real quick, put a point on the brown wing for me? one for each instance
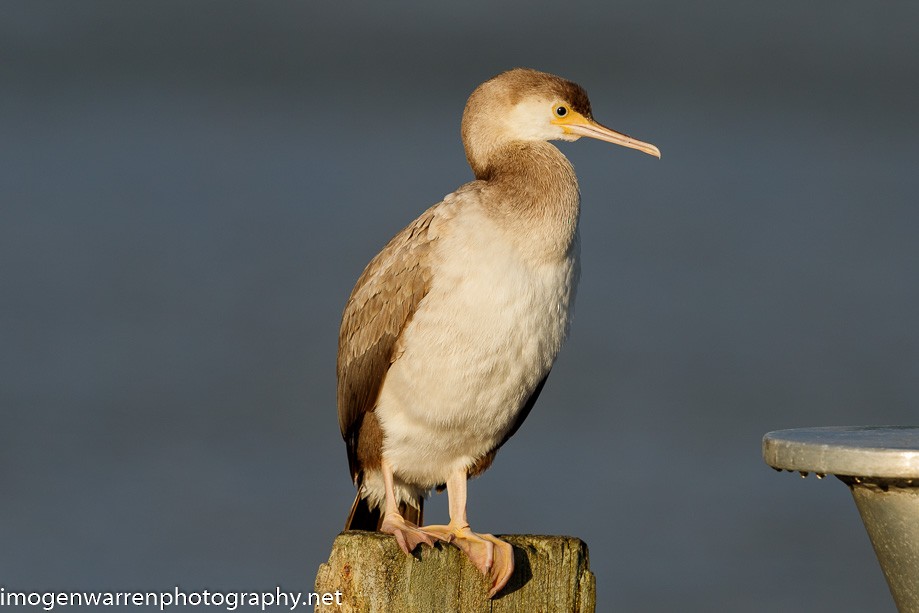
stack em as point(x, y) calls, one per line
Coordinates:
point(381, 304)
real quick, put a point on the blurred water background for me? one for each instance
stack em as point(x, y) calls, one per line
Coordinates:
point(188, 192)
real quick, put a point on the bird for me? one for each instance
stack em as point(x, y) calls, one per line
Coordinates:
point(450, 332)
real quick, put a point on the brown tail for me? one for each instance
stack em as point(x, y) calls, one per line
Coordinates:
point(362, 517)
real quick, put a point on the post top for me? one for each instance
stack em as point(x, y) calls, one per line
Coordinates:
point(887, 452)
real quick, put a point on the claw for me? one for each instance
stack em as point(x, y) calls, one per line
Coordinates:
point(407, 534)
point(500, 572)
point(493, 557)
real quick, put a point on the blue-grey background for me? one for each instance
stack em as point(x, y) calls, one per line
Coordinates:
point(189, 191)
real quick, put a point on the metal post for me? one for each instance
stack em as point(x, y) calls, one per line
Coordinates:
point(881, 467)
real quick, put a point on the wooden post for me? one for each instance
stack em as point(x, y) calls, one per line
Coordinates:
point(372, 575)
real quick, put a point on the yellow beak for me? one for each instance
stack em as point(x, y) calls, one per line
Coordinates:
point(575, 123)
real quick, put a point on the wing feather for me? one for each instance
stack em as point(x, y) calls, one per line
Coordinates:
point(381, 304)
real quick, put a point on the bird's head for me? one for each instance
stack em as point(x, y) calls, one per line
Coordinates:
point(528, 105)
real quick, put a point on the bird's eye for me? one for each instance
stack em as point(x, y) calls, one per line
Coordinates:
point(561, 111)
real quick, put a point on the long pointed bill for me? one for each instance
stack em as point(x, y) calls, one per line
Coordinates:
point(582, 126)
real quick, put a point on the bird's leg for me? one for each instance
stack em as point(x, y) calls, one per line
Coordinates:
point(492, 556)
point(407, 534)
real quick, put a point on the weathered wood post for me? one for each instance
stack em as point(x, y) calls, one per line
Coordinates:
point(551, 575)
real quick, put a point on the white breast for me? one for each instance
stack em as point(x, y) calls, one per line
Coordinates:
point(479, 343)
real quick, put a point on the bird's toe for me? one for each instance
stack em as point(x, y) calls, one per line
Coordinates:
point(407, 534)
point(493, 557)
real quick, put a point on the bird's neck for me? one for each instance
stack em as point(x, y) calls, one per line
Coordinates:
point(534, 194)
